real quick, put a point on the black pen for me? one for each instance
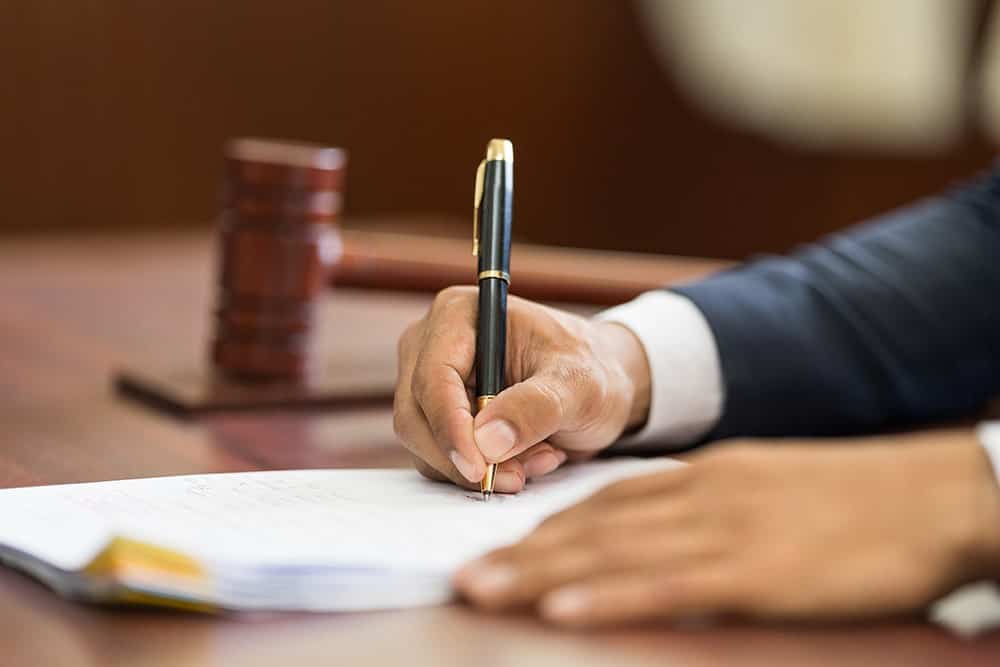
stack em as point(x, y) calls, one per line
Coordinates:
point(492, 217)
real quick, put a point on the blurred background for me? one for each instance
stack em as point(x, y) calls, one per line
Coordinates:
point(717, 128)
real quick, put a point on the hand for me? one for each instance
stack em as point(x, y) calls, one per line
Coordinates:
point(803, 530)
point(574, 386)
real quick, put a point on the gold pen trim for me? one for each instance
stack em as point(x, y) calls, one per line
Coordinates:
point(481, 401)
point(500, 149)
point(489, 479)
point(477, 202)
point(493, 273)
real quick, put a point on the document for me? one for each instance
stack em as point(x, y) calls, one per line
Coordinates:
point(324, 540)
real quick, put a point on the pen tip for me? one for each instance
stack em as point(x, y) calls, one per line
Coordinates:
point(487, 495)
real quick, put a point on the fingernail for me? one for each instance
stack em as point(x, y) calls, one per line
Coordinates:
point(540, 464)
point(508, 481)
point(495, 439)
point(566, 602)
point(491, 579)
point(465, 466)
point(562, 456)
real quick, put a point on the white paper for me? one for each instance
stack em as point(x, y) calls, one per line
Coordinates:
point(267, 532)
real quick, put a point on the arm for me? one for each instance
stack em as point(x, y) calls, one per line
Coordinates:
point(894, 322)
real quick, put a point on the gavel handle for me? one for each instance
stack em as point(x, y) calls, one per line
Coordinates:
point(410, 262)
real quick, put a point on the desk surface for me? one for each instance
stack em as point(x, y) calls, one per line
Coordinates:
point(72, 310)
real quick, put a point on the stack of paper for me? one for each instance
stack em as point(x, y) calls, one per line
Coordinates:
point(309, 539)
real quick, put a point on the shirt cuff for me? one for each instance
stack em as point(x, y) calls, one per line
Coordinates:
point(686, 390)
point(989, 437)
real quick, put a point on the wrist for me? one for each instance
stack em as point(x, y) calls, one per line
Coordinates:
point(987, 544)
point(978, 543)
point(631, 357)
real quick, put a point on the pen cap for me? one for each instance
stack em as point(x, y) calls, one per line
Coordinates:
point(496, 210)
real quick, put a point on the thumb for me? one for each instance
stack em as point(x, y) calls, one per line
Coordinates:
point(523, 415)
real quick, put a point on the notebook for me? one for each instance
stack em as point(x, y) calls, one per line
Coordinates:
point(320, 540)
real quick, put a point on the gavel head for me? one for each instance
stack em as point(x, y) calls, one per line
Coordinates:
point(278, 244)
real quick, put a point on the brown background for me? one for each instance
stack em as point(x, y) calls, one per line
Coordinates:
point(114, 113)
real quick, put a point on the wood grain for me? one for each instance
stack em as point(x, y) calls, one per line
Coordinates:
point(71, 310)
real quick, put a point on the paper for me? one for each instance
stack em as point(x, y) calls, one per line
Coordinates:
point(368, 534)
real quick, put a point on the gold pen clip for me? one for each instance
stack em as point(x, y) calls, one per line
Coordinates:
point(475, 207)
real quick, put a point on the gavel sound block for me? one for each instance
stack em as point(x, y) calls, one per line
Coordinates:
point(400, 262)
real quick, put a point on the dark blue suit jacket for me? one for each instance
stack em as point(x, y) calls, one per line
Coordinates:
point(893, 322)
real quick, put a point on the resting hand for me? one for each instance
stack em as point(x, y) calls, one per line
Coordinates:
point(574, 386)
point(802, 530)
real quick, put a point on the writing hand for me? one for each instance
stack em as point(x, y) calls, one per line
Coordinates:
point(574, 386)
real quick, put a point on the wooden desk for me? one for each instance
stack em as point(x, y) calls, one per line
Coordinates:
point(72, 310)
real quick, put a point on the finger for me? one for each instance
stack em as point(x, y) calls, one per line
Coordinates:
point(523, 573)
point(438, 384)
point(641, 486)
point(502, 581)
point(409, 421)
point(541, 459)
point(657, 514)
point(662, 497)
point(407, 348)
point(575, 456)
point(668, 488)
point(510, 477)
point(656, 593)
point(440, 392)
point(415, 435)
point(521, 416)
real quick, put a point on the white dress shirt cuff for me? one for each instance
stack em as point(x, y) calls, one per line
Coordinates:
point(989, 437)
point(686, 391)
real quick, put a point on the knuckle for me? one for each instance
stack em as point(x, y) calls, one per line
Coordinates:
point(540, 448)
point(552, 412)
point(419, 383)
point(608, 545)
point(583, 377)
point(454, 297)
point(591, 389)
point(595, 387)
point(407, 337)
point(453, 345)
point(423, 382)
point(551, 395)
point(400, 426)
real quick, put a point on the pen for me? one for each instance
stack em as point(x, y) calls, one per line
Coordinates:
point(492, 216)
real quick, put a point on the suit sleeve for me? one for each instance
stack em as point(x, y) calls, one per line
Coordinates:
point(894, 322)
